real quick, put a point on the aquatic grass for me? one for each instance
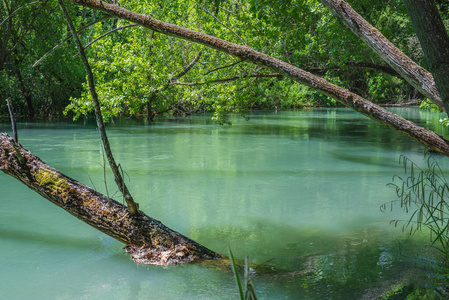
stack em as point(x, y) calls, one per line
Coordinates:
point(248, 293)
point(424, 192)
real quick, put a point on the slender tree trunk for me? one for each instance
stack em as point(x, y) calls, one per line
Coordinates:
point(13, 121)
point(427, 137)
point(132, 205)
point(150, 112)
point(25, 93)
point(434, 41)
point(147, 240)
point(414, 74)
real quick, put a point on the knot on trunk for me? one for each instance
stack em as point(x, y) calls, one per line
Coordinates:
point(161, 255)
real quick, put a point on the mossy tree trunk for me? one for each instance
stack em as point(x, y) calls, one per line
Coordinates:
point(146, 239)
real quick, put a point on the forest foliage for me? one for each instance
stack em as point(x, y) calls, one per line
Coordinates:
point(140, 72)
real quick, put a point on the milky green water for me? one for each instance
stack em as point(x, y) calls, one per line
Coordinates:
point(301, 190)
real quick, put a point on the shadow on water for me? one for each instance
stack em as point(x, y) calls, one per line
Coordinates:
point(48, 239)
point(387, 162)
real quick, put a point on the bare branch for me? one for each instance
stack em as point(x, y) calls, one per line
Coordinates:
point(103, 35)
point(224, 67)
point(359, 65)
point(230, 79)
point(68, 38)
point(24, 33)
point(186, 69)
point(14, 12)
point(290, 31)
point(13, 122)
point(216, 19)
point(228, 11)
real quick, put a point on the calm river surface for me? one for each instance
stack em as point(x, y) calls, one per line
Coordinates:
point(299, 190)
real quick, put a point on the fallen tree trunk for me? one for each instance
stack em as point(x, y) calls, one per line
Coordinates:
point(147, 240)
point(427, 137)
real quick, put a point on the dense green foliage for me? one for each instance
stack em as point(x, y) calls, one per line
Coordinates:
point(24, 38)
point(139, 72)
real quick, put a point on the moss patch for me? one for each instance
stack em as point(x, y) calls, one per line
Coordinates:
point(53, 181)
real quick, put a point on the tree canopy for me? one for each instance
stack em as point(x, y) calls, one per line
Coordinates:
point(135, 67)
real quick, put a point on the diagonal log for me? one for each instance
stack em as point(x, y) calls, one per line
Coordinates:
point(426, 137)
point(417, 76)
point(146, 239)
point(434, 40)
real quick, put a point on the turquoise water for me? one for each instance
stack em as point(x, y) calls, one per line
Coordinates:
point(299, 191)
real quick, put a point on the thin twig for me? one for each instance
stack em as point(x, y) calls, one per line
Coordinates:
point(216, 19)
point(68, 38)
point(14, 12)
point(229, 79)
point(132, 205)
point(104, 173)
point(27, 28)
point(91, 182)
point(13, 122)
point(103, 35)
point(228, 11)
point(224, 67)
point(186, 69)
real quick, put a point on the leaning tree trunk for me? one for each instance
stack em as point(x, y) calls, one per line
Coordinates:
point(146, 239)
point(25, 92)
point(434, 41)
point(427, 137)
point(414, 74)
point(132, 205)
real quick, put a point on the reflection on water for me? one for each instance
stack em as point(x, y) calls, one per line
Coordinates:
point(300, 190)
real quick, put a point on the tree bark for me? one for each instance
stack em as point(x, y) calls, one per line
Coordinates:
point(146, 239)
point(434, 41)
point(414, 74)
point(427, 137)
point(132, 205)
